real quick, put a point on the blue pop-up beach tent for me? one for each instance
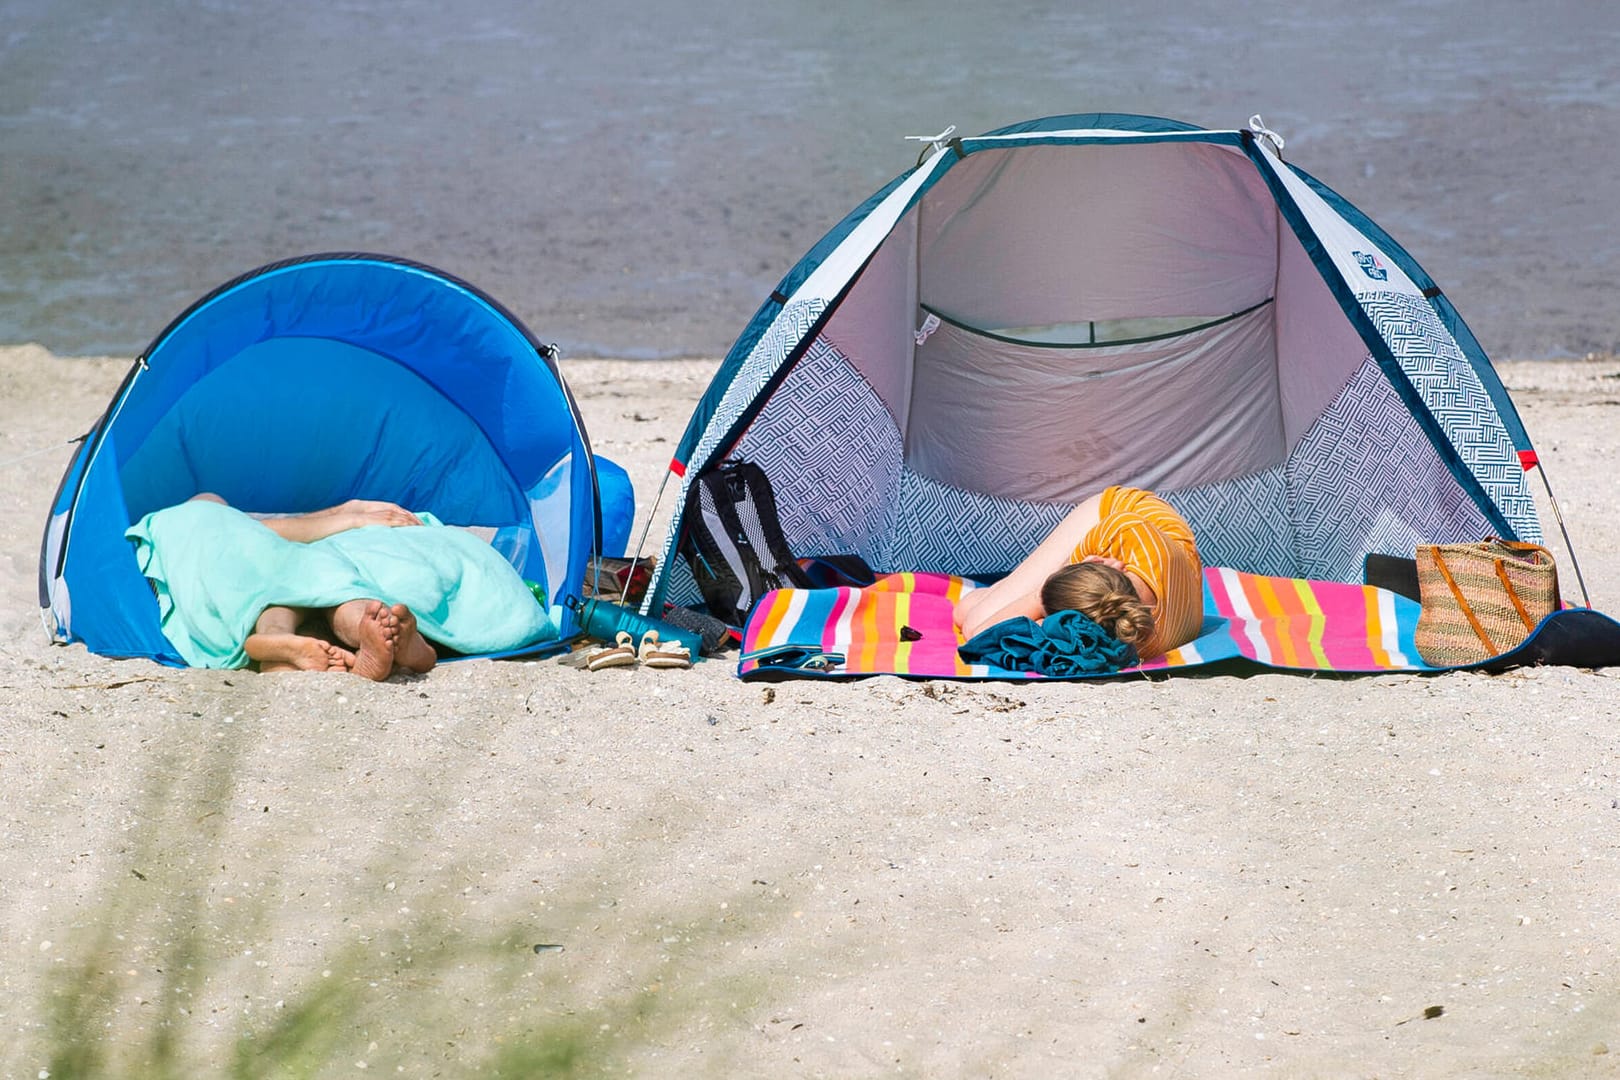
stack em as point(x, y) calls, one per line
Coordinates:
point(308, 382)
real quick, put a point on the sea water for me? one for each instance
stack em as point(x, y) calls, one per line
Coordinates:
point(631, 178)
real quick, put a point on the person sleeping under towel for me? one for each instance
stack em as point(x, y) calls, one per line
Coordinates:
point(386, 583)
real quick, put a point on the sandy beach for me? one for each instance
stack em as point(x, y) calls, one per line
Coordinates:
point(519, 868)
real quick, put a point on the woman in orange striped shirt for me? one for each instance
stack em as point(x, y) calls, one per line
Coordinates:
point(1123, 558)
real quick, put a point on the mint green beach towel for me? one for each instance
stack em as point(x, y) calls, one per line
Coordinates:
point(215, 570)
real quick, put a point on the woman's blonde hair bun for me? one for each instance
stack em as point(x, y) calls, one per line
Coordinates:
point(1103, 595)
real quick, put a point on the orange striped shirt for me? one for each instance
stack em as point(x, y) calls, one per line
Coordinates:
point(1154, 542)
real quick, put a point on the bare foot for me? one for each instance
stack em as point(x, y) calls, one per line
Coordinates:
point(414, 654)
point(295, 652)
point(378, 635)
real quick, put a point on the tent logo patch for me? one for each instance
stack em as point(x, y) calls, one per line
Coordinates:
point(1371, 266)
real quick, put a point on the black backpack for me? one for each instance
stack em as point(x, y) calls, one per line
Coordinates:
point(733, 540)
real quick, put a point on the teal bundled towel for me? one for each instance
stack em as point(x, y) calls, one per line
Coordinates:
point(1065, 643)
point(215, 570)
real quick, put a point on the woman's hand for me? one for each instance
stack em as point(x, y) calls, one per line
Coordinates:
point(354, 514)
point(362, 512)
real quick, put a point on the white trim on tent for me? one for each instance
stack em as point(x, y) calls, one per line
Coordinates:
point(1348, 246)
point(1200, 135)
point(842, 263)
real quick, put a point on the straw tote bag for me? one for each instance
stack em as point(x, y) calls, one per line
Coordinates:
point(1481, 600)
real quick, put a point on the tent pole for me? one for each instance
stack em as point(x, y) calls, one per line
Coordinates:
point(651, 512)
point(641, 544)
point(1558, 515)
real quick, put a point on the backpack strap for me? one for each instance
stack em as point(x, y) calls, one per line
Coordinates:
point(756, 509)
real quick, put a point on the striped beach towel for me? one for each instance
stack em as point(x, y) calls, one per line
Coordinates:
point(901, 625)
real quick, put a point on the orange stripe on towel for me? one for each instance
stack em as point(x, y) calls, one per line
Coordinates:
point(880, 632)
point(1267, 606)
point(780, 603)
point(1375, 629)
point(870, 601)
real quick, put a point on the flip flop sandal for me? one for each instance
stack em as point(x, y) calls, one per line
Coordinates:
point(794, 657)
point(622, 654)
point(664, 654)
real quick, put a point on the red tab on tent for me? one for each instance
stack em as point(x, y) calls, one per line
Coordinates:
point(678, 467)
point(1528, 459)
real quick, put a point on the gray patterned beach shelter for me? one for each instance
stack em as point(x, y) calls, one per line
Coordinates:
point(1033, 314)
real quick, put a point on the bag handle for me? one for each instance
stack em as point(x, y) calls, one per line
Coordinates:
point(1519, 547)
point(1513, 595)
point(1539, 557)
point(1462, 601)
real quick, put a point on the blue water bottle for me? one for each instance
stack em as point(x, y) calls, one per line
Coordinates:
point(603, 619)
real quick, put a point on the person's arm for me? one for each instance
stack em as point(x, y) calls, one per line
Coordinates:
point(354, 514)
point(1019, 593)
point(1021, 606)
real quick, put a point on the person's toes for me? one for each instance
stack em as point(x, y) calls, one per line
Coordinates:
point(379, 635)
point(290, 652)
point(413, 651)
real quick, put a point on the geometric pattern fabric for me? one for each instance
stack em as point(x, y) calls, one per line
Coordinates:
point(1451, 388)
point(785, 332)
point(1365, 478)
point(951, 531)
point(1242, 523)
point(832, 453)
